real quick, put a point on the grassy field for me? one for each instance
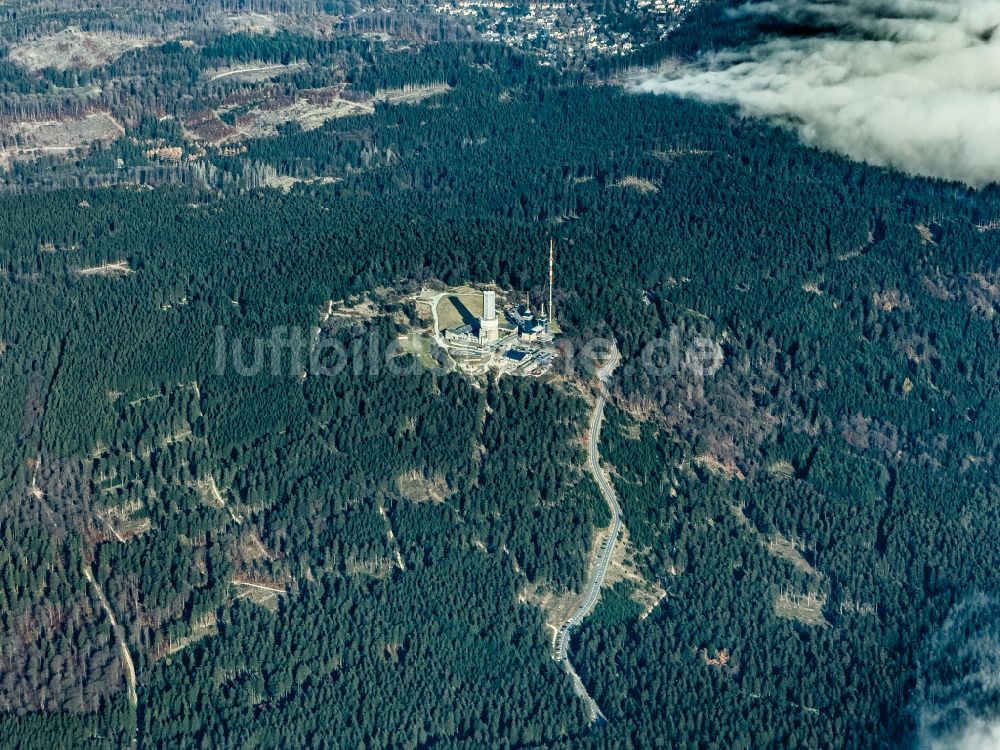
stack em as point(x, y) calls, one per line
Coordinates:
point(463, 305)
point(419, 345)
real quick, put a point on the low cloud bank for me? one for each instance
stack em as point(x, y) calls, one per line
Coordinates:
point(911, 84)
point(977, 736)
point(959, 702)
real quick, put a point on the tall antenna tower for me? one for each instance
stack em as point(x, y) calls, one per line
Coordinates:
point(552, 277)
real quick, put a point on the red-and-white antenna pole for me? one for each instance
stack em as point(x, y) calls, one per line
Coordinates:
point(552, 276)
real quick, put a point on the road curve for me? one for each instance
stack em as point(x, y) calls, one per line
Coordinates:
point(593, 589)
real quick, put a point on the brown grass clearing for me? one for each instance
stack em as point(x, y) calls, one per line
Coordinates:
point(75, 48)
point(728, 469)
point(804, 608)
point(112, 268)
point(781, 469)
point(639, 184)
point(38, 137)
point(925, 233)
point(415, 486)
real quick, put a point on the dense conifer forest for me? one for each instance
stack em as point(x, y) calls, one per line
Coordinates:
point(356, 559)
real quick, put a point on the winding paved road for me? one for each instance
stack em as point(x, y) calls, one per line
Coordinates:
point(593, 589)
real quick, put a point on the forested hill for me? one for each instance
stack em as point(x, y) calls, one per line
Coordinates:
point(366, 559)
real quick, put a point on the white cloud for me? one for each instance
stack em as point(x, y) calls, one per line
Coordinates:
point(977, 735)
point(956, 708)
point(912, 84)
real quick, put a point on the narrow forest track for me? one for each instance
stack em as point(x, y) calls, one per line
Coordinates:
point(243, 71)
point(127, 664)
point(260, 586)
point(593, 590)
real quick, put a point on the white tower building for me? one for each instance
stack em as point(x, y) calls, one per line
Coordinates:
point(489, 324)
